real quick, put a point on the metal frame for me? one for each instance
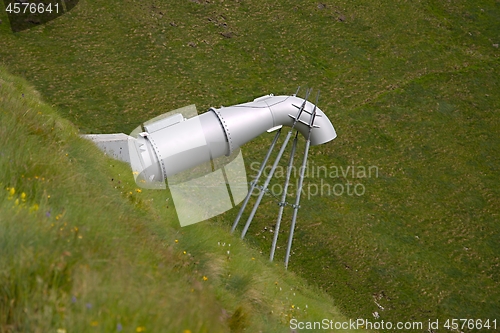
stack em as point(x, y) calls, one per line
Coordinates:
point(263, 189)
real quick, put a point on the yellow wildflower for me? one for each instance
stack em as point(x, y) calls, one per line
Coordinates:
point(34, 208)
point(17, 202)
point(23, 196)
point(12, 191)
point(138, 190)
point(205, 278)
point(186, 331)
point(140, 329)
point(61, 330)
point(94, 323)
point(177, 241)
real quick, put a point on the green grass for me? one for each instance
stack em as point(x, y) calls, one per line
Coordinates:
point(411, 87)
point(82, 249)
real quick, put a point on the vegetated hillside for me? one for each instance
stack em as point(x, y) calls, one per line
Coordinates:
point(84, 250)
point(411, 87)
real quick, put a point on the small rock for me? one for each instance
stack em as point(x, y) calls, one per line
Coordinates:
point(227, 34)
point(173, 24)
point(321, 6)
point(192, 44)
point(224, 315)
point(341, 18)
point(494, 45)
point(32, 21)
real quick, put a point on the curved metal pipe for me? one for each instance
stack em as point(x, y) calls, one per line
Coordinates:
point(175, 144)
point(249, 120)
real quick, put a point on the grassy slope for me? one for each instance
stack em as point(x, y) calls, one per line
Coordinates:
point(412, 87)
point(83, 250)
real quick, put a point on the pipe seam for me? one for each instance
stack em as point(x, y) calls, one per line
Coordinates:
point(158, 156)
point(226, 129)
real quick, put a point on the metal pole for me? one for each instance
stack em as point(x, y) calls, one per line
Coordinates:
point(271, 173)
point(266, 184)
point(298, 89)
point(296, 206)
point(299, 189)
point(254, 182)
point(283, 197)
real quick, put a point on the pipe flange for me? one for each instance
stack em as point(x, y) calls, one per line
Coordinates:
point(226, 129)
point(158, 156)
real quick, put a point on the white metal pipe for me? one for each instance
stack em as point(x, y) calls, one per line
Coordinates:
point(175, 144)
